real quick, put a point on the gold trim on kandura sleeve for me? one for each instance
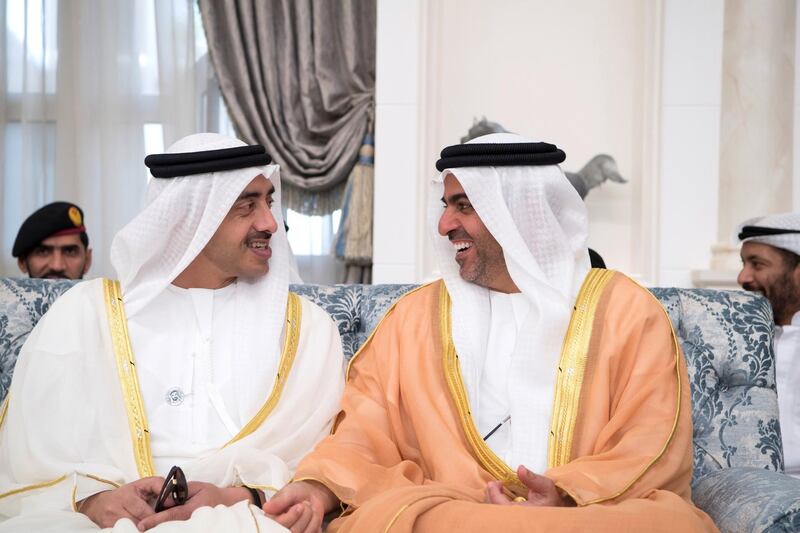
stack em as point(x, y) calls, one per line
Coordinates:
point(4, 408)
point(294, 312)
point(35, 486)
point(572, 365)
point(452, 374)
point(128, 378)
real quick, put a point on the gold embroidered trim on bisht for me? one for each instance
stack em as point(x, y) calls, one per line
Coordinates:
point(571, 366)
point(126, 369)
point(452, 373)
point(294, 312)
point(4, 408)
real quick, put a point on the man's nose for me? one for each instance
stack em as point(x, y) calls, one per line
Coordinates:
point(745, 276)
point(447, 223)
point(57, 261)
point(266, 221)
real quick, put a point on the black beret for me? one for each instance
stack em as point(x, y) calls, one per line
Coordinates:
point(60, 218)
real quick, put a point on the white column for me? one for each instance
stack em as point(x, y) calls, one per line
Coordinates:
point(757, 118)
point(689, 159)
point(396, 146)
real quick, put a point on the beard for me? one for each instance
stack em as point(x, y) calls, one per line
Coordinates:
point(784, 296)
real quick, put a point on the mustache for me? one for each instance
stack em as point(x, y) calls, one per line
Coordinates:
point(60, 274)
point(458, 234)
point(258, 235)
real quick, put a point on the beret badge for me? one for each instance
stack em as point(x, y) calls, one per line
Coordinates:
point(75, 216)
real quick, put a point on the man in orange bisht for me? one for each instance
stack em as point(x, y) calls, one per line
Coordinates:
point(523, 392)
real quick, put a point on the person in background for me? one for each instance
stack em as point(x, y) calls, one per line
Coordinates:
point(52, 243)
point(771, 266)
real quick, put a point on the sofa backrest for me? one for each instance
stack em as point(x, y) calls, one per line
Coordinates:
point(726, 338)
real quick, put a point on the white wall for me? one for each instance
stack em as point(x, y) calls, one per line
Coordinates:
point(639, 80)
point(571, 73)
point(690, 129)
point(396, 130)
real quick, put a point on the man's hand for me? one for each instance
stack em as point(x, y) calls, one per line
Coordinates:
point(200, 495)
point(300, 506)
point(542, 492)
point(133, 501)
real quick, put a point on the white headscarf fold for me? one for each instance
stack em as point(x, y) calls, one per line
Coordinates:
point(180, 216)
point(786, 241)
point(541, 223)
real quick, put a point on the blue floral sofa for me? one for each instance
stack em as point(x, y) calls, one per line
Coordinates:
point(727, 340)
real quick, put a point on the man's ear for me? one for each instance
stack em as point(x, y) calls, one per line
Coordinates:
point(88, 263)
point(22, 266)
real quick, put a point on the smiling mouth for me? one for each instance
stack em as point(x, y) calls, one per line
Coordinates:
point(461, 248)
point(260, 248)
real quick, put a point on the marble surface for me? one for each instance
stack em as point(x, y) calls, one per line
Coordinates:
point(756, 122)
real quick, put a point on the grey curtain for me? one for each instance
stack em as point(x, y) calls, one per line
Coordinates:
point(298, 76)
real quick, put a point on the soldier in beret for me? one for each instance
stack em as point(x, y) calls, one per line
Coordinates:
point(52, 243)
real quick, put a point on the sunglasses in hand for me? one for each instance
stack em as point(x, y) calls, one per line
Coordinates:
point(175, 486)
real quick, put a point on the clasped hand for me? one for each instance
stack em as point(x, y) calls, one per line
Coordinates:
point(135, 501)
point(300, 506)
point(542, 492)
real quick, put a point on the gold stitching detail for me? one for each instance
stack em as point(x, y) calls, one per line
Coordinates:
point(126, 369)
point(4, 408)
point(102, 480)
point(35, 486)
point(75, 506)
point(452, 373)
point(292, 339)
point(572, 365)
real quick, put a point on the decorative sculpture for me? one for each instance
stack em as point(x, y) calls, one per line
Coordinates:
point(600, 168)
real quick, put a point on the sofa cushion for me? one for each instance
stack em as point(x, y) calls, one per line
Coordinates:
point(356, 309)
point(749, 499)
point(22, 302)
point(726, 338)
point(727, 341)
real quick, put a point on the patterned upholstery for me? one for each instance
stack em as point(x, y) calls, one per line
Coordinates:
point(726, 338)
point(727, 341)
point(749, 499)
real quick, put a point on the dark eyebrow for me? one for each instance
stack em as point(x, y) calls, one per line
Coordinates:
point(754, 257)
point(454, 198)
point(255, 194)
point(247, 195)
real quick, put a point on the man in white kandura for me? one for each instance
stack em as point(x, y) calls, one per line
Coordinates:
point(771, 266)
point(199, 357)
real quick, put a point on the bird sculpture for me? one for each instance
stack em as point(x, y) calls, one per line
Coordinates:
point(600, 168)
